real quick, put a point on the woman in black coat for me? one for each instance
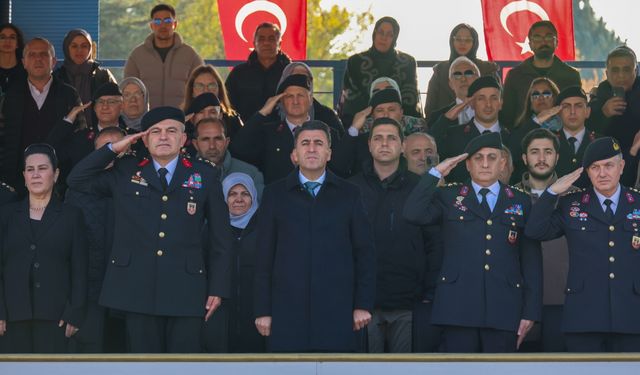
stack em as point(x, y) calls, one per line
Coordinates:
point(43, 263)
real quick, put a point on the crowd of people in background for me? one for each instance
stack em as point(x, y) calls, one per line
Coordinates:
point(175, 211)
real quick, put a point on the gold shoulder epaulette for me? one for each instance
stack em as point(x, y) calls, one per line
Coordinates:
point(452, 184)
point(573, 190)
point(517, 188)
point(635, 190)
point(206, 161)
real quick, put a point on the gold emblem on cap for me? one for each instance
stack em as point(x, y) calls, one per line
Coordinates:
point(616, 147)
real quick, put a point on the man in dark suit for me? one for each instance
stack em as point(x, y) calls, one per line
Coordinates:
point(601, 226)
point(489, 291)
point(156, 271)
point(315, 268)
point(574, 137)
point(486, 101)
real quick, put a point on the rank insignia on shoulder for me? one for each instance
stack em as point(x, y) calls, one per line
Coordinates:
point(207, 161)
point(193, 182)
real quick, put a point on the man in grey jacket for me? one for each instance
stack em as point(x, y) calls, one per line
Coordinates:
point(163, 62)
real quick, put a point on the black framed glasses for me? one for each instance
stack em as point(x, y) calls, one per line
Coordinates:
point(545, 95)
point(159, 21)
point(467, 74)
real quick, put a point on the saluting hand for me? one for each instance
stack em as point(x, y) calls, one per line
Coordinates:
point(360, 319)
point(213, 302)
point(361, 117)
point(76, 110)
point(123, 144)
point(453, 113)
point(548, 113)
point(564, 183)
point(447, 165)
point(270, 105)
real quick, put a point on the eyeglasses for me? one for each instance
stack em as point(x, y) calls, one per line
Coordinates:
point(132, 95)
point(467, 74)
point(545, 94)
point(461, 39)
point(10, 37)
point(109, 102)
point(159, 21)
point(201, 86)
point(540, 38)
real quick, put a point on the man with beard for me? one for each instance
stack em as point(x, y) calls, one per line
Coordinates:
point(543, 41)
point(540, 156)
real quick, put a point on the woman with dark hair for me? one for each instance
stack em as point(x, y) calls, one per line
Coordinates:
point(80, 70)
point(206, 78)
point(539, 112)
point(381, 60)
point(43, 262)
point(463, 41)
point(11, 46)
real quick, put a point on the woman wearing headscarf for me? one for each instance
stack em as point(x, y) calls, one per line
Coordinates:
point(80, 70)
point(241, 337)
point(463, 41)
point(318, 110)
point(135, 103)
point(382, 59)
point(43, 262)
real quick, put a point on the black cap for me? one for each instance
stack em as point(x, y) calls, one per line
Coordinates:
point(203, 101)
point(384, 96)
point(491, 140)
point(600, 149)
point(483, 82)
point(108, 89)
point(156, 115)
point(571, 92)
point(299, 80)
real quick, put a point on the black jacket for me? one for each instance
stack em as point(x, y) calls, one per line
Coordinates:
point(408, 255)
point(250, 84)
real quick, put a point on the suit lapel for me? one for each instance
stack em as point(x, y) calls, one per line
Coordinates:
point(501, 203)
point(151, 176)
point(594, 208)
point(471, 201)
point(624, 206)
point(49, 217)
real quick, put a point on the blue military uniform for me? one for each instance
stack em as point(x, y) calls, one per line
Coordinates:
point(491, 275)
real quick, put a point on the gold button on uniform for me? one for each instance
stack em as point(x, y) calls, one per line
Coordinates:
point(488, 236)
point(163, 216)
point(488, 252)
point(489, 222)
point(517, 285)
point(612, 259)
point(461, 217)
point(574, 160)
point(486, 267)
point(444, 278)
point(161, 234)
point(612, 275)
point(159, 253)
point(612, 228)
point(137, 193)
point(165, 198)
point(611, 243)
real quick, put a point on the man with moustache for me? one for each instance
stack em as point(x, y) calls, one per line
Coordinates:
point(421, 152)
point(543, 41)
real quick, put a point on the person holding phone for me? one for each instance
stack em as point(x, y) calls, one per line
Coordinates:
point(615, 109)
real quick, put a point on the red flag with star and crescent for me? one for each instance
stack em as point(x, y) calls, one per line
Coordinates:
point(507, 22)
point(239, 19)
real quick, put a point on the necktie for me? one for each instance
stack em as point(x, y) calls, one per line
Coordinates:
point(310, 187)
point(162, 173)
point(484, 204)
point(608, 212)
point(572, 142)
point(486, 131)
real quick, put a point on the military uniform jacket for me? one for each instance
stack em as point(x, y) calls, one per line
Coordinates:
point(491, 275)
point(157, 265)
point(570, 161)
point(603, 286)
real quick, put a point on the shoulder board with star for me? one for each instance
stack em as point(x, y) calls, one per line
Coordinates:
point(573, 190)
point(206, 161)
point(7, 187)
point(452, 184)
point(518, 188)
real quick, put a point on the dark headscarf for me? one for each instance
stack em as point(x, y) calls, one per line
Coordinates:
point(394, 24)
point(474, 49)
point(79, 74)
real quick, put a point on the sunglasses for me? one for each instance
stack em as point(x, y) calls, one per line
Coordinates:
point(159, 21)
point(537, 94)
point(467, 74)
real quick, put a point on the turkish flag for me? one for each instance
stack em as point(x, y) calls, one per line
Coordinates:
point(240, 18)
point(507, 22)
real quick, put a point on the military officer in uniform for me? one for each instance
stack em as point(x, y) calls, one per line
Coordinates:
point(157, 272)
point(489, 291)
point(601, 225)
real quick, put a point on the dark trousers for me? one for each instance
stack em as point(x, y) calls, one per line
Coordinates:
point(552, 336)
point(602, 342)
point(163, 334)
point(90, 337)
point(478, 340)
point(35, 336)
point(426, 337)
point(216, 331)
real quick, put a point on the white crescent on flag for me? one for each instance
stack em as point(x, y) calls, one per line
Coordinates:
point(257, 6)
point(521, 6)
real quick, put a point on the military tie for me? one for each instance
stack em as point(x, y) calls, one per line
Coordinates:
point(162, 173)
point(608, 212)
point(572, 142)
point(486, 131)
point(484, 203)
point(310, 187)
